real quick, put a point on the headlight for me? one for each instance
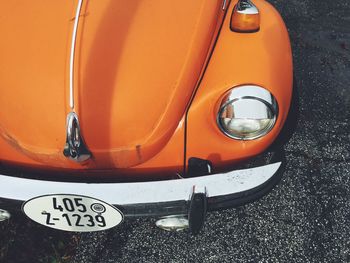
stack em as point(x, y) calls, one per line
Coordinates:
point(247, 112)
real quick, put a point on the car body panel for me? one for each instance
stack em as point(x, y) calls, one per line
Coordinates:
point(187, 126)
point(263, 58)
point(136, 67)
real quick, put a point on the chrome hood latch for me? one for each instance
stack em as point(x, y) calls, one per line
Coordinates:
point(75, 148)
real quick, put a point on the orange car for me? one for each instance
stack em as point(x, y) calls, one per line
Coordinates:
point(114, 109)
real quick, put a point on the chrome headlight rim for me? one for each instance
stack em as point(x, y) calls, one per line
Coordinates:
point(225, 101)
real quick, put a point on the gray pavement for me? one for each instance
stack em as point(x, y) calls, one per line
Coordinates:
point(306, 217)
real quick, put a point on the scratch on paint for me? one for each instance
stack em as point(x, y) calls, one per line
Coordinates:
point(35, 155)
point(82, 15)
point(138, 151)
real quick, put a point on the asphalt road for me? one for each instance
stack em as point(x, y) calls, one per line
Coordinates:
point(305, 218)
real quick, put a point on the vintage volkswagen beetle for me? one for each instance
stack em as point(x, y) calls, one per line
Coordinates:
point(116, 109)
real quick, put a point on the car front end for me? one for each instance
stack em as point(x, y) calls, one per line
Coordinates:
point(160, 110)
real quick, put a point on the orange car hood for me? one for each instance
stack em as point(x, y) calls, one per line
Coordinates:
point(137, 64)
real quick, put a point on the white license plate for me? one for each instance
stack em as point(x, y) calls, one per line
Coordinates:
point(72, 213)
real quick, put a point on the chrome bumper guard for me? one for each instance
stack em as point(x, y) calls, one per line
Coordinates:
point(155, 198)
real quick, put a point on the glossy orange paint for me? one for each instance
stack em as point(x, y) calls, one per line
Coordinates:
point(138, 64)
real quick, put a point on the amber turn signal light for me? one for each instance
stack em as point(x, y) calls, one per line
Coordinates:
point(245, 17)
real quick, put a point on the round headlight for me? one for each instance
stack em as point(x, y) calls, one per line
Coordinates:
point(247, 113)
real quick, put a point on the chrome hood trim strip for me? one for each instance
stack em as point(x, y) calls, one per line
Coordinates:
point(75, 148)
point(72, 55)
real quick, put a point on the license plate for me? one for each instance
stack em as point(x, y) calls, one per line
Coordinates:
point(72, 213)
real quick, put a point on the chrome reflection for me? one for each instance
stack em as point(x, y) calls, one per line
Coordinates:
point(75, 148)
point(4, 215)
point(247, 113)
point(224, 4)
point(173, 223)
point(246, 7)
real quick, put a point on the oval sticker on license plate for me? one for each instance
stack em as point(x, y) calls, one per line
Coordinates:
point(72, 213)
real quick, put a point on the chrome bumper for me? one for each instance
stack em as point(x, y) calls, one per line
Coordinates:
point(156, 198)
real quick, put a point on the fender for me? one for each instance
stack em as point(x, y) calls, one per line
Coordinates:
point(263, 58)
